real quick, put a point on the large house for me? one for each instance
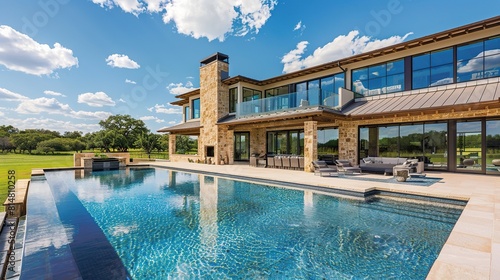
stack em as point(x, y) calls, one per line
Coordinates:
point(436, 98)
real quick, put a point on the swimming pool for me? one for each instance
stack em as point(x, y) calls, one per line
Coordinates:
point(146, 223)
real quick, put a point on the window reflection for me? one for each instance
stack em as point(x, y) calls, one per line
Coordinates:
point(478, 60)
point(432, 69)
point(379, 79)
point(328, 141)
point(196, 108)
point(493, 147)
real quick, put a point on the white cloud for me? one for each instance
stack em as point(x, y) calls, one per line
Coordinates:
point(121, 61)
point(2, 114)
point(172, 122)
point(130, 6)
point(8, 95)
point(121, 100)
point(54, 107)
point(298, 26)
point(203, 18)
point(341, 47)
point(19, 52)
point(180, 88)
point(97, 99)
point(53, 93)
point(474, 65)
point(127, 81)
point(52, 124)
point(151, 118)
point(164, 110)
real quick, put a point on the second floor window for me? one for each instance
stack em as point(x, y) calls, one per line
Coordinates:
point(233, 99)
point(196, 108)
point(186, 113)
point(478, 60)
point(251, 94)
point(432, 68)
point(379, 79)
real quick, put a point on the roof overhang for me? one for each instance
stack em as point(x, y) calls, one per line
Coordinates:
point(186, 128)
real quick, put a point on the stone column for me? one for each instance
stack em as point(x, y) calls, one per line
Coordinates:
point(348, 141)
point(171, 145)
point(310, 144)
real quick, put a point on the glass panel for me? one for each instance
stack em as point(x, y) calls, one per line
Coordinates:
point(492, 44)
point(327, 89)
point(196, 108)
point(492, 66)
point(377, 86)
point(377, 71)
point(186, 113)
point(313, 92)
point(411, 140)
point(421, 78)
point(470, 69)
point(395, 67)
point(442, 75)
point(241, 146)
point(467, 52)
point(282, 142)
point(469, 146)
point(328, 142)
point(301, 143)
point(294, 143)
point(363, 142)
point(233, 99)
point(271, 142)
point(360, 74)
point(395, 83)
point(435, 146)
point(360, 87)
point(421, 61)
point(339, 82)
point(493, 147)
point(442, 57)
point(388, 141)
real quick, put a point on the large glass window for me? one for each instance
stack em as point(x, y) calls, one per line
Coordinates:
point(233, 99)
point(285, 142)
point(251, 94)
point(493, 147)
point(276, 91)
point(328, 141)
point(432, 68)
point(424, 141)
point(388, 138)
point(379, 79)
point(330, 88)
point(469, 146)
point(478, 60)
point(411, 140)
point(187, 114)
point(196, 108)
point(435, 144)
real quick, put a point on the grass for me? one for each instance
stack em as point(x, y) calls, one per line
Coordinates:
point(22, 165)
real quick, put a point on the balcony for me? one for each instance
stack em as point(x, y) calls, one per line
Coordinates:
point(284, 102)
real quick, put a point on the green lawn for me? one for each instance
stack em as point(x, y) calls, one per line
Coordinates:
point(22, 165)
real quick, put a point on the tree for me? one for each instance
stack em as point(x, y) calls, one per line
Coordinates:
point(182, 144)
point(73, 134)
point(28, 139)
point(148, 142)
point(123, 131)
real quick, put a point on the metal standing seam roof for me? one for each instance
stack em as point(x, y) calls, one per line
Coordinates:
point(454, 94)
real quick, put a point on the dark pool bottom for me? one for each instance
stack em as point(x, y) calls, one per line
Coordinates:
point(166, 224)
point(63, 241)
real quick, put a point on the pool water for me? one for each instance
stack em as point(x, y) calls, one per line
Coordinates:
point(167, 224)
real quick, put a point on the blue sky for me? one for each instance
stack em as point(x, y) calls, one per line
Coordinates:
point(66, 64)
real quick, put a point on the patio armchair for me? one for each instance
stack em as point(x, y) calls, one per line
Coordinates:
point(320, 167)
point(346, 167)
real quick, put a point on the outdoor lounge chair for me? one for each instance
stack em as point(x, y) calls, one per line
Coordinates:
point(346, 167)
point(320, 167)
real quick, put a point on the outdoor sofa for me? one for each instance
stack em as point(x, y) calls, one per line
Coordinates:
point(380, 164)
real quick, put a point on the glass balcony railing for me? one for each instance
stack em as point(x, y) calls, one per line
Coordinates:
point(289, 101)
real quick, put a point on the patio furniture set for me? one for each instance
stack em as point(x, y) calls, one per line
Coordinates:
point(400, 168)
point(286, 162)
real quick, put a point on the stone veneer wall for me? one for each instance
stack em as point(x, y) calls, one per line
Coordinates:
point(214, 104)
point(78, 162)
point(310, 144)
point(257, 140)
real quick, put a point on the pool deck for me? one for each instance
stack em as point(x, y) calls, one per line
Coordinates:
point(474, 243)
